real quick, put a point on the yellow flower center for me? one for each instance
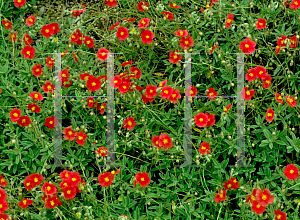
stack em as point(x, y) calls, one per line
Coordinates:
point(166, 92)
point(267, 81)
point(174, 4)
point(23, 121)
point(48, 188)
point(24, 202)
point(122, 33)
point(63, 75)
point(261, 24)
point(129, 123)
point(142, 179)
point(88, 42)
point(279, 97)
point(69, 192)
point(33, 108)
point(174, 95)
point(269, 114)
point(147, 37)
point(47, 30)
point(80, 137)
point(74, 179)
point(229, 185)
point(203, 148)
point(229, 20)
point(124, 87)
point(151, 90)
point(30, 19)
point(291, 100)
point(36, 180)
point(113, 172)
point(175, 57)
point(248, 93)
point(52, 203)
point(36, 96)
point(201, 119)
point(165, 141)
point(103, 54)
point(28, 52)
point(264, 197)
point(292, 171)
point(1, 206)
point(211, 93)
point(106, 179)
point(186, 42)
point(257, 206)
point(225, 109)
point(221, 195)
point(278, 216)
point(143, 22)
point(250, 74)
point(27, 184)
point(70, 133)
point(247, 45)
point(15, 115)
point(252, 197)
point(181, 32)
point(93, 84)
point(296, 3)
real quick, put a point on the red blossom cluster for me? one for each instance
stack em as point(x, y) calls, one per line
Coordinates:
point(283, 41)
point(102, 151)
point(70, 135)
point(50, 29)
point(162, 140)
point(204, 119)
point(107, 178)
point(232, 183)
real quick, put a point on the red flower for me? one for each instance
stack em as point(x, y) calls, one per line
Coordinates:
point(251, 198)
point(30, 20)
point(28, 183)
point(127, 63)
point(261, 23)
point(52, 202)
point(291, 101)
point(115, 81)
point(267, 82)
point(212, 93)
point(24, 121)
point(261, 72)
point(256, 207)
point(55, 27)
point(247, 95)
point(155, 141)
point(264, 197)
point(295, 4)
point(90, 102)
point(81, 138)
point(36, 96)
point(3, 206)
point(129, 19)
point(186, 42)
point(89, 41)
point(168, 15)
point(47, 30)
point(3, 194)
point(229, 20)
point(48, 87)
point(191, 91)
point(13, 36)
point(6, 217)
point(204, 148)
point(75, 56)
point(181, 33)
point(78, 12)
point(291, 172)
point(162, 84)
point(102, 54)
point(7, 24)
point(34, 108)
point(122, 33)
point(143, 179)
point(74, 37)
point(93, 83)
point(174, 5)
point(15, 114)
point(213, 48)
point(19, 3)
point(49, 189)
point(251, 74)
point(165, 141)
point(114, 25)
point(235, 183)
point(102, 151)
point(50, 62)
point(84, 76)
point(282, 41)
point(166, 92)
point(151, 91)
point(3, 182)
point(24, 203)
point(36, 179)
point(228, 185)
point(111, 3)
point(69, 134)
point(101, 107)
point(27, 39)
point(279, 215)
point(174, 58)
point(278, 98)
point(69, 192)
point(105, 179)
point(37, 70)
point(51, 122)
point(221, 196)
point(123, 88)
point(210, 119)
point(144, 23)
point(142, 6)
point(201, 119)
point(147, 36)
point(227, 108)
point(129, 123)
point(135, 72)
point(28, 52)
point(65, 174)
point(270, 115)
point(175, 95)
point(247, 46)
point(293, 41)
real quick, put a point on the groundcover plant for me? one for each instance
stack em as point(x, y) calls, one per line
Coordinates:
point(119, 109)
